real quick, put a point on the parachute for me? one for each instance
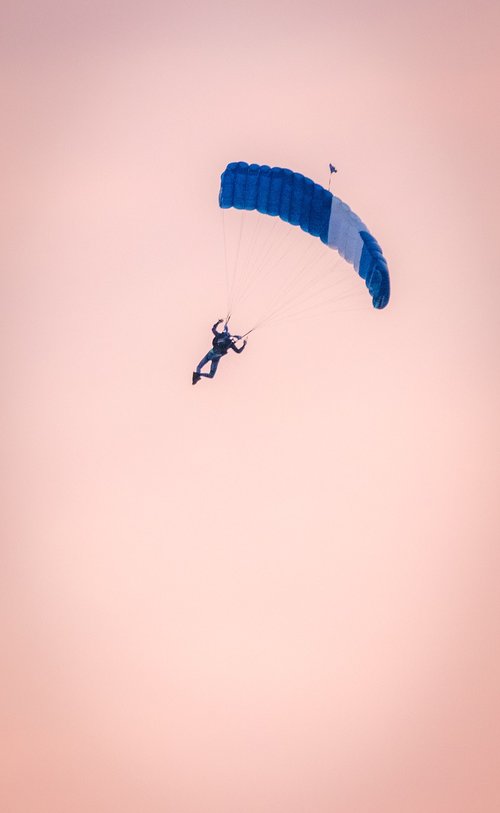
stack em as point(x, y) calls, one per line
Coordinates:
point(298, 201)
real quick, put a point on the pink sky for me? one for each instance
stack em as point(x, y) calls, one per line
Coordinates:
point(276, 591)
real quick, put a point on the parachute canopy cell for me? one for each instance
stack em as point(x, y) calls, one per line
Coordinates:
point(301, 202)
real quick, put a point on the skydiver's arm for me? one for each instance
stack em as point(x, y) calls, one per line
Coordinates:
point(214, 328)
point(239, 349)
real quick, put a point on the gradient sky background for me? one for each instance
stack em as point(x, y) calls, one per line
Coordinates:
point(276, 591)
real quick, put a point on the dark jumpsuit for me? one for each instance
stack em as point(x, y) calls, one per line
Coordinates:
point(222, 342)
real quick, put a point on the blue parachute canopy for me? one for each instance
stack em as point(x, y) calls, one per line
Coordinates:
point(301, 202)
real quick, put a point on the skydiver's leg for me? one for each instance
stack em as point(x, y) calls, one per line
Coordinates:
point(213, 367)
point(204, 361)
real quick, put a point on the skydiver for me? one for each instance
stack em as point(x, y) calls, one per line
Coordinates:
point(221, 343)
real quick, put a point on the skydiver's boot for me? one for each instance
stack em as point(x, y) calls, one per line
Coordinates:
point(196, 378)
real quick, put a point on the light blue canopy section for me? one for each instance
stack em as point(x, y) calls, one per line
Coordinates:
point(301, 202)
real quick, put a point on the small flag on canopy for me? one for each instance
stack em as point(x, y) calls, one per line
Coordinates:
point(332, 170)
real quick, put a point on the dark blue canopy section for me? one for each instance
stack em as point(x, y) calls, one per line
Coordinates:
point(373, 269)
point(278, 192)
